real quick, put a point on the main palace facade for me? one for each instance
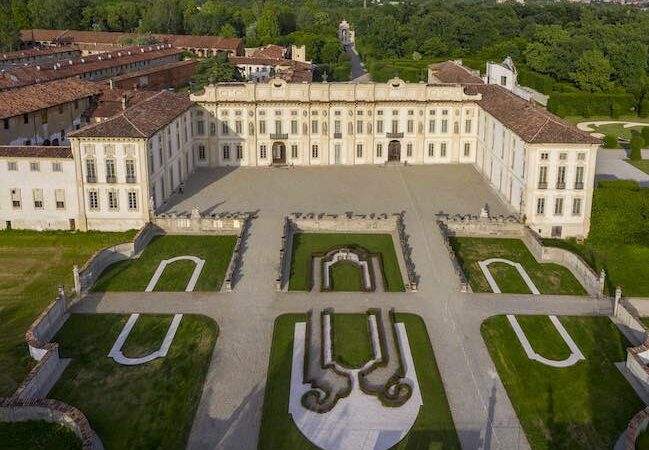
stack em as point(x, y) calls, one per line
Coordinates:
point(127, 166)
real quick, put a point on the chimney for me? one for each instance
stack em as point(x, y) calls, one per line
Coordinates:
point(111, 85)
point(124, 102)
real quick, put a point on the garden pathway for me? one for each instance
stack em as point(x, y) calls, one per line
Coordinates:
point(612, 164)
point(229, 414)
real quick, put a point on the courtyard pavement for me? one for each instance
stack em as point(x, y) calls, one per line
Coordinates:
point(229, 414)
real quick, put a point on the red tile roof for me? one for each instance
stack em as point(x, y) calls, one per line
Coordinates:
point(531, 123)
point(107, 37)
point(270, 51)
point(110, 102)
point(452, 72)
point(33, 151)
point(142, 120)
point(36, 52)
point(45, 95)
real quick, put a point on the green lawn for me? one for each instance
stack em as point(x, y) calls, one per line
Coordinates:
point(139, 407)
point(585, 406)
point(146, 335)
point(619, 237)
point(305, 245)
point(616, 129)
point(135, 274)
point(642, 165)
point(548, 278)
point(643, 441)
point(627, 117)
point(37, 435)
point(352, 346)
point(433, 428)
point(32, 266)
point(346, 276)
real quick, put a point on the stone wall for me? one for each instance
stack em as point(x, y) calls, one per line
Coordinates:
point(637, 425)
point(348, 223)
point(52, 411)
point(511, 227)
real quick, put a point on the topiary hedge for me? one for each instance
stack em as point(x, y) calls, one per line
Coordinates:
point(610, 141)
point(587, 104)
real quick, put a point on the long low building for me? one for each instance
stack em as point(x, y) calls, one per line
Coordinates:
point(39, 54)
point(540, 165)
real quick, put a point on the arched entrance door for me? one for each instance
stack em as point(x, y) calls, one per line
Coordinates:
point(394, 151)
point(279, 153)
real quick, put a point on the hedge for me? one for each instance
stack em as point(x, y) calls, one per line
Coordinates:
point(540, 82)
point(587, 104)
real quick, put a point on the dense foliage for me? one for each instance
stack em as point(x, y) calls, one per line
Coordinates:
point(558, 47)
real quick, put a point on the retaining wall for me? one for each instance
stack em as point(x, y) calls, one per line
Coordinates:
point(511, 227)
point(637, 425)
point(195, 223)
point(52, 411)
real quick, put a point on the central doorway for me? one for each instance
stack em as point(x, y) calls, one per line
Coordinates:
point(279, 153)
point(394, 151)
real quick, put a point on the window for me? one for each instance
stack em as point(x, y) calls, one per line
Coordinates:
point(337, 127)
point(60, 109)
point(359, 150)
point(503, 80)
point(294, 151)
point(132, 200)
point(410, 126)
point(239, 151)
point(314, 151)
point(581, 156)
point(544, 156)
point(467, 126)
point(444, 126)
point(110, 171)
point(56, 167)
point(540, 206)
point(5, 124)
point(395, 126)
point(442, 150)
point(409, 150)
point(262, 152)
point(12, 166)
point(543, 177)
point(431, 150)
point(561, 177)
point(225, 128)
point(262, 127)
point(278, 127)
point(130, 171)
point(226, 152)
point(456, 127)
point(43, 115)
point(34, 166)
point(576, 206)
point(16, 200)
point(563, 156)
point(558, 206)
point(93, 200)
point(113, 201)
point(38, 198)
point(359, 126)
point(238, 127)
point(201, 153)
point(379, 126)
point(579, 177)
point(25, 119)
point(76, 104)
point(379, 150)
point(59, 198)
point(293, 126)
point(314, 126)
point(431, 125)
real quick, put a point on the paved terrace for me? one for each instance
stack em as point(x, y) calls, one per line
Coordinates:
point(229, 414)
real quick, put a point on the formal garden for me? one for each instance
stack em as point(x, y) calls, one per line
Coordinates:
point(548, 278)
point(433, 426)
point(150, 405)
point(586, 405)
point(32, 266)
point(345, 276)
point(136, 274)
point(618, 241)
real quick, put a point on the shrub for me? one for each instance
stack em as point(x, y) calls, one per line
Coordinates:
point(610, 141)
point(636, 147)
point(587, 104)
point(645, 134)
point(644, 108)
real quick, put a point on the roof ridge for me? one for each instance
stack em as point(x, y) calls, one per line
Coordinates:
point(134, 106)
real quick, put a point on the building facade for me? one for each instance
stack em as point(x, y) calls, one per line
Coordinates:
point(542, 167)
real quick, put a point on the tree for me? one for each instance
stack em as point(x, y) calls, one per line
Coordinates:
point(268, 25)
point(434, 46)
point(629, 62)
point(636, 147)
point(215, 69)
point(610, 141)
point(645, 134)
point(9, 31)
point(593, 72)
point(163, 16)
point(228, 31)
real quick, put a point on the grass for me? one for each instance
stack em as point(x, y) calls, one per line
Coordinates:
point(433, 428)
point(35, 435)
point(305, 245)
point(147, 335)
point(352, 346)
point(32, 266)
point(134, 275)
point(623, 117)
point(548, 278)
point(616, 130)
point(585, 406)
point(619, 237)
point(642, 165)
point(642, 443)
point(136, 407)
point(346, 276)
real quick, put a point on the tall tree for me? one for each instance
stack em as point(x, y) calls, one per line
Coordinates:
point(593, 72)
